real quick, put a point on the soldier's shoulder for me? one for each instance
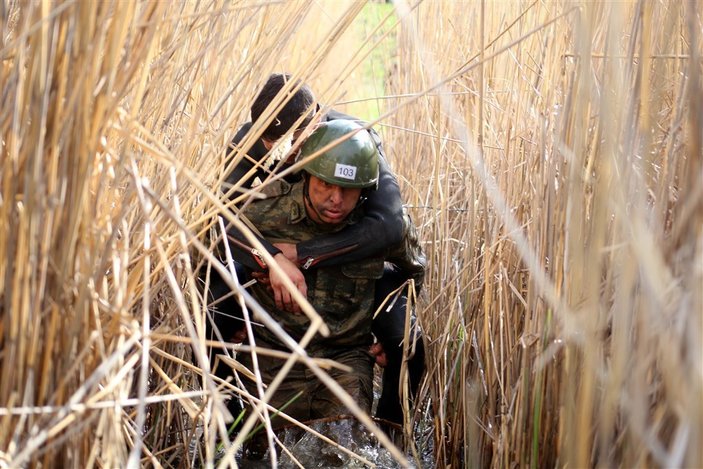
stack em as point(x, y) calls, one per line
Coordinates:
point(278, 203)
point(274, 189)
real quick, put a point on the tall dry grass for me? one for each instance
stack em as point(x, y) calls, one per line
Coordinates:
point(551, 152)
point(556, 173)
point(115, 120)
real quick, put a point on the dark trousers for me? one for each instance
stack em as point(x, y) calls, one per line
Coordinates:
point(224, 318)
point(388, 327)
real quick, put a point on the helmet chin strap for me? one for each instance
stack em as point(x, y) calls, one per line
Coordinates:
point(308, 201)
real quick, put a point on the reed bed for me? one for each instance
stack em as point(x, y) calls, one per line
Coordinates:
point(549, 164)
point(551, 156)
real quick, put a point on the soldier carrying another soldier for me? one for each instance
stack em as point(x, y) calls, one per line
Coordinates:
point(329, 197)
point(379, 227)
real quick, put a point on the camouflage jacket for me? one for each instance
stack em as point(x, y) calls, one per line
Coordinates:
point(342, 295)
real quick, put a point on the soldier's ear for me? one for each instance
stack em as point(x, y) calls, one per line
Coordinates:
point(268, 143)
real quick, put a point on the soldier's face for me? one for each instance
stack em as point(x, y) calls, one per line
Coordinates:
point(330, 203)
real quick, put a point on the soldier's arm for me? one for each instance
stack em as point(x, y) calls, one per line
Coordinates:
point(251, 258)
point(273, 211)
point(408, 255)
point(243, 176)
point(380, 228)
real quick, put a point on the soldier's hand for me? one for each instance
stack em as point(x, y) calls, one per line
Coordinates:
point(281, 295)
point(377, 351)
point(289, 250)
point(262, 277)
point(239, 336)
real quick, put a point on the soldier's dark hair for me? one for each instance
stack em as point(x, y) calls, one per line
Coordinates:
point(300, 102)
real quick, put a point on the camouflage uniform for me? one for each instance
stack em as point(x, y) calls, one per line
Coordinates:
point(342, 295)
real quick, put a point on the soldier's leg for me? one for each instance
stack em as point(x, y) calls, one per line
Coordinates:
point(293, 394)
point(224, 322)
point(225, 314)
point(389, 329)
point(292, 397)
point(358, 383)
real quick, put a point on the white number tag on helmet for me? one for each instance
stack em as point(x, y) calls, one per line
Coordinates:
point(345, 171)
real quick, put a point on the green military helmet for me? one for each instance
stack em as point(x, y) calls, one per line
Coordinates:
point(352, 163)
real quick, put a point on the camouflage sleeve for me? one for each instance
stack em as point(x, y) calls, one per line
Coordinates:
point(241, 174)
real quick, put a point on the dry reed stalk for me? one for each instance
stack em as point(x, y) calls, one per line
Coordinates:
point(584, 152)
point(552, 156)
point(115, 120)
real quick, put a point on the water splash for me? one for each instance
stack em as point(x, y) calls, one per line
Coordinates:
point(312, 452)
